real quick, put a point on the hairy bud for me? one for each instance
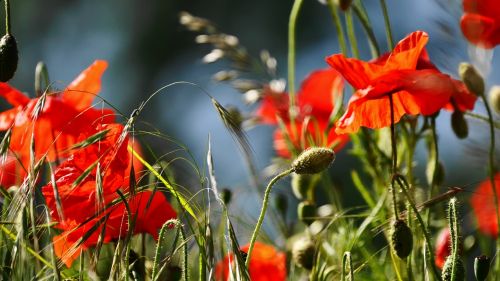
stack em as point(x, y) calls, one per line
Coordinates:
point(481, 267)
point(8, 57)
point(313, 160)
point(494, 98)
point(471, 78)
point(401, 239)
point(459, 124)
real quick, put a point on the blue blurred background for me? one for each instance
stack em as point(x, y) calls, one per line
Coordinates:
point(147, 48)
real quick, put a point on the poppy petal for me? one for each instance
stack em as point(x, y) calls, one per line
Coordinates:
point(82, 91)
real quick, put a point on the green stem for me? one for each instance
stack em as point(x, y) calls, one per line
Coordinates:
point(453, 221)
point(394, 157)
point(351, 33)
point(365, 22)
point(491, 173)
point(338, 25)
point(7, 16)
point(388, 31)
point(263, 212)
point(483, 118)
point(291, 51)
point(346, 259)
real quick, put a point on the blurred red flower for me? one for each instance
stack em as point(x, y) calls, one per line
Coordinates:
point(443, 247)
point(83, 205)
point(56, 120)
point(481, 22)
point(11, 172)
point(413, 91)
point(315, 103)
point(483, 204)
point(267, 264)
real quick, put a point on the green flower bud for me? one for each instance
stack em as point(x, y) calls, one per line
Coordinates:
point(303, 252)
point(481, 267)
point(471, 78)
point(313, 160)
point(8, 57)
point(306, 212)
point(494, 98)
point(459, 270)
point(226, 196)
point(401, 239)
point(459, 125)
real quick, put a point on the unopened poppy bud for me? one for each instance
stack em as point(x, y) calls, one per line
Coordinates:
point(281, 204)
point(303, 253)
point(446, 275)
point(459, 124)
point(495, 98)
point(8, 57)
point(306, 212)
point(226, 195)
point(481, 267)
point(301, 186)
point(313, 160)
point(401, 239)
point(343, 4)
point(471, 78)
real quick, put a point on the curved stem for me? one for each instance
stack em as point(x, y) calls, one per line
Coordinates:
point(388, 31)
point(263, 212)
point(291, 51)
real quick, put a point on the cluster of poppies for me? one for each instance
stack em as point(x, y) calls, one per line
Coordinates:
point(93, 163)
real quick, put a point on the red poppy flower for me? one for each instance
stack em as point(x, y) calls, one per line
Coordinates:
point(315, 103)
point(413, 91)
point(481, 22)
point(11, 172)
point(484, 206)
point(55, 121)
point(267, 264)
point(443, 247)
point(150, 210)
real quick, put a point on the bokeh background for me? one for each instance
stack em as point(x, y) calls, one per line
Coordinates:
point(147, 48)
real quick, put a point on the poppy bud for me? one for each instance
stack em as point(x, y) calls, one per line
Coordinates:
point(303, 253)
point(301, 186)
point(495, 98)
point(471, 78)
point(481, 267)
point(226, 195)
point(459, 270)
point(313, 160)
point(306, 212)
point(343, 4)
point(401, 239)
point(8, 57)
point(281, 204)
point(459, 124)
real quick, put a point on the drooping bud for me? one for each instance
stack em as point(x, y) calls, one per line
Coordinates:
point(281, 204)
point(481, 267)
point(306, 212)
point(494, 98)
point(471, 78)
point(459, 124)
point(446, 275)
point(226, 195)
point(401, 239)
point(301, 186)
point(343, 4)
point(303, 252)
point(313, 160)
point(8, 57)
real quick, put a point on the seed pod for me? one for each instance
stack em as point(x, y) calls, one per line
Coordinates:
point(401, 239)
point(471, 78)
point(481, 267)
point(303, 253)
point(301, 186)
point(495, 98)
point(459, 270)
point(459, 124)
point(8, 57)
point(306, 212)
point(313, 160)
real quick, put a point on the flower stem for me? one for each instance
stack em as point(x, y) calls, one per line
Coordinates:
point(388, 32)
point(291, 51)
point(453, 221)
point(365, 22)
point(263, 212)
point(338, 25)
point(7, 16)
point(394, 157)
point(351, 33)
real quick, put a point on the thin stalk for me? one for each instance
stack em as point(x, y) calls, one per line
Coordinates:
point(365, 22)
point(491, 172)
point(263, 212)
point(291, 51)
point(346, 259)
point(388, 31)
point(394, 157)
point(453, 221)
point(338, 25)
point(483, 118)
point(351, 33)
point(7, 16)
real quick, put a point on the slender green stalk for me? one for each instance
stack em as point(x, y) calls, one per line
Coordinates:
point(338, 25)
point(483, 118)
point(365, 22)
point(453, 221)
point(7, 16)
point(388, 31)
point(351, 33)
point(346, 259)
point(491, 173)
point(394, 157)
point(291, 51)
point(263, 212)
